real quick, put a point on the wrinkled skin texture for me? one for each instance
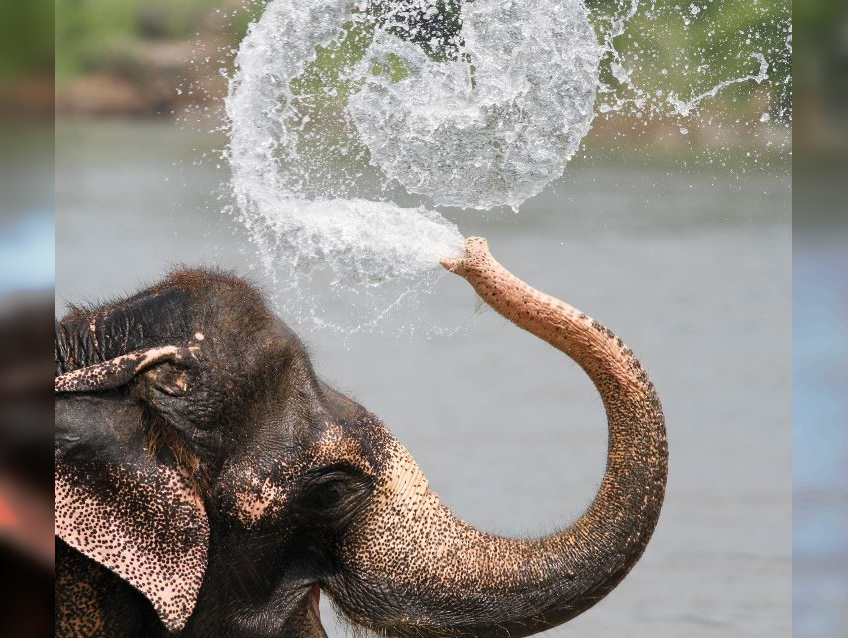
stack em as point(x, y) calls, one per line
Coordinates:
point(208, 483)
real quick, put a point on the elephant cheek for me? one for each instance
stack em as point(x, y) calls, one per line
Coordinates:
point(257, 502)
point(251, 496)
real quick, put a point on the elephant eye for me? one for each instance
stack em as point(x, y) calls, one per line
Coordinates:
point(327, 495)
point(334, 494)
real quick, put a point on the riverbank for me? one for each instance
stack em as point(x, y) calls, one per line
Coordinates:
point(153, 80)
point(157, 59)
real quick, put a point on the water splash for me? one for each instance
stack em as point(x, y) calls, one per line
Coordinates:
point(325, 140)
point(685, 107)
point(497, 124)
point(351, 121)
point(648, 69)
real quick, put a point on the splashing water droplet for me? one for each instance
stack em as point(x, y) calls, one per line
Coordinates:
point(349, 120)
point(338, 110)
point(496, 125)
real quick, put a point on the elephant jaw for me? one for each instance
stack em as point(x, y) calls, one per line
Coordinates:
point(313, 610)
point(305, 621)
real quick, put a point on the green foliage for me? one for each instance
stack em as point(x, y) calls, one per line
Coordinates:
point(690, 46)
point(89, 32)
point(822, 55)
point(26, 38)
point(322, 80)
point(683, 46)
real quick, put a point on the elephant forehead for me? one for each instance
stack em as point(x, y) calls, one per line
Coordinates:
point(337, 443)
point(189, 304)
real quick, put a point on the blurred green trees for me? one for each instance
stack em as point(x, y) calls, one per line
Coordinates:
point(680, 46)
point(687, 47)
point(821, 60)
point(26, 38)
point(90, 32)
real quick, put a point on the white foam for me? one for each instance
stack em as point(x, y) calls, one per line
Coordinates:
point(337, 166)
point(496, 126)
point(300, 162)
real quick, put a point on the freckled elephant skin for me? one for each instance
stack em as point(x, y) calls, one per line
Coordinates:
point(275, 484)
point(432, 574)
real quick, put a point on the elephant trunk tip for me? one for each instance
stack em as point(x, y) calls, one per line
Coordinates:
point(477, 257)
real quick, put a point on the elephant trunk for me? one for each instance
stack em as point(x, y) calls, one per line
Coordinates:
point(428, 573)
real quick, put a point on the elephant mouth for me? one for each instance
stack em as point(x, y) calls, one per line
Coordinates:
point(315, 602)
point(306, 620)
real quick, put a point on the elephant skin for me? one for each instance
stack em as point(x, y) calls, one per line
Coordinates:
point(208, 483)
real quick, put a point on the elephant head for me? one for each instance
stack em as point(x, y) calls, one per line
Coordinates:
point(201, 460)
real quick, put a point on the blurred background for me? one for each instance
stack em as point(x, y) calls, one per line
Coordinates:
point(155, 57)
point(674, 232)
point(679, 241)
point(820, 320)
point(26, 301)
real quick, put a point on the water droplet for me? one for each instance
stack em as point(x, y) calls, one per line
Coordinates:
point(317, 199)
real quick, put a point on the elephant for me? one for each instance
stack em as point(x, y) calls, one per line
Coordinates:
point(208, 483)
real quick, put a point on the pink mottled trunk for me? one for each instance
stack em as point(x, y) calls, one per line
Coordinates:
point(451, 579)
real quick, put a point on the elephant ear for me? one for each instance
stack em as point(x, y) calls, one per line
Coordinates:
point(118, 502)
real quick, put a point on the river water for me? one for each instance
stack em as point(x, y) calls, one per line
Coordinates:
point(690, 266)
